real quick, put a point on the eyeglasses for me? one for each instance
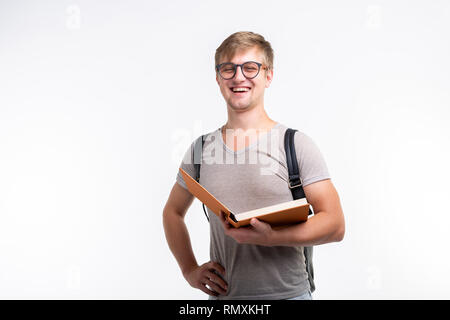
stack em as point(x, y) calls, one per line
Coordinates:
point(250, 69)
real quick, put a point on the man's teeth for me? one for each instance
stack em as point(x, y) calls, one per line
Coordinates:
point(240, 89)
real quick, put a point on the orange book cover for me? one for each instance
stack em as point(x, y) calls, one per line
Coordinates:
point(281, 214)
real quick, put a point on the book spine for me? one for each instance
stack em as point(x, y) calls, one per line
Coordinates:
point(233, 217)
point(233, 221)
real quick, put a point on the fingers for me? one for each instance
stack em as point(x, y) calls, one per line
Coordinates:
point(213, 278)
point(209, 279)
point(217, 267)
point(206, 290)
point(215, 270)
point(217, 280)
point(224, 220)
point(214, 286)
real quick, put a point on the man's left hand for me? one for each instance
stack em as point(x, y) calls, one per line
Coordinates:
point(258, 232)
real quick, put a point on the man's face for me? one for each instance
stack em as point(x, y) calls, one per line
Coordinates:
point(245, 100)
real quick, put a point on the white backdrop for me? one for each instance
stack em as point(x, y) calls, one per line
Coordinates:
point(99, 101)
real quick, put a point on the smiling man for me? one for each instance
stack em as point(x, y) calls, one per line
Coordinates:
point(256, 262)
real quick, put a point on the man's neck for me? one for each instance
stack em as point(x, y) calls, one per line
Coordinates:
point(245, 124)
point(254, 119)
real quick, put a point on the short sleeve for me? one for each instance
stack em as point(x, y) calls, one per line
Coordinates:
point(311, 162)
point(187, 164)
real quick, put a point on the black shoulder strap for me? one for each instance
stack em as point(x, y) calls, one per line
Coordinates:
point(197, 157)
point(295, 185)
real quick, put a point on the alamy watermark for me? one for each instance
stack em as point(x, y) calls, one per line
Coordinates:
point(374, 18)
point(251, 146)
point(73, 18)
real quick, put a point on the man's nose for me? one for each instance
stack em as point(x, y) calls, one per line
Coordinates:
point(239, 75)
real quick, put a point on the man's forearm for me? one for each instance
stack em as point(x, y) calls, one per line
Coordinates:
point(179, 241)
point(319, 229)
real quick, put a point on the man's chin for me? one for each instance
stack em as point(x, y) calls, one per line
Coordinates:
point(240, 107)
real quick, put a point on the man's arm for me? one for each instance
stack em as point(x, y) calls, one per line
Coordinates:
point(175, 229)
point(179, 243)
point(327, 224)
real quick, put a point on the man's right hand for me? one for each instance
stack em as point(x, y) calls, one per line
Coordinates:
point(202, 276)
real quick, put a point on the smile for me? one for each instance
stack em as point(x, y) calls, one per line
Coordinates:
point(240, 90)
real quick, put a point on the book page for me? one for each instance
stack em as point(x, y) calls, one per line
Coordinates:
point(270, 209)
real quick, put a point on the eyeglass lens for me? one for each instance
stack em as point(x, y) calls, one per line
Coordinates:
point(249, 69)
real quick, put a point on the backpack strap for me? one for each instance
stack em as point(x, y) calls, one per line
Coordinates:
point(197, 157)
point(295, 185)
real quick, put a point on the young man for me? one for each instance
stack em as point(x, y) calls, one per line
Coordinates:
point(256, 262)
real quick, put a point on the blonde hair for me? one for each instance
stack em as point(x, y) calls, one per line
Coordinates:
point(244, 40)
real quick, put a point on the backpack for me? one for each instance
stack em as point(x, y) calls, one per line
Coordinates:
point(294, 184)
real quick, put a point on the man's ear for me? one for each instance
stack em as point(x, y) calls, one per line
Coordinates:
point(269, 77)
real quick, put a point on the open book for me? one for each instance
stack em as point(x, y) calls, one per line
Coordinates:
point(281, 214)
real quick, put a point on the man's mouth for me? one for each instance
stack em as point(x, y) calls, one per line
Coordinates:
point(240, 90)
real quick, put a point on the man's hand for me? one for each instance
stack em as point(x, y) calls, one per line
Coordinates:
point(202, 276)
point(258, 232)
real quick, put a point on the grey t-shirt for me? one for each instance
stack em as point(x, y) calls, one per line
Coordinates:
point(248, 179)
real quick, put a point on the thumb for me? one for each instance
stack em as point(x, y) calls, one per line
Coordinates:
point(257, 224)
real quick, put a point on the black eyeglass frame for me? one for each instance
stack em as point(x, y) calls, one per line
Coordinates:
point(242, 70)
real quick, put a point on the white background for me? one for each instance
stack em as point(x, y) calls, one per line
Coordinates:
point(99, 101)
